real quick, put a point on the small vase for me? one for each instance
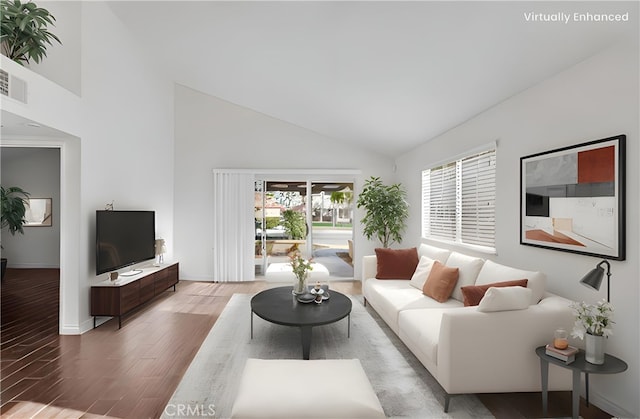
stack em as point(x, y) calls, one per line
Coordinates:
point(300, 285)
point(594, 349)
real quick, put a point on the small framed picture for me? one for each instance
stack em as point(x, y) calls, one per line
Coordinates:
point(39, 213)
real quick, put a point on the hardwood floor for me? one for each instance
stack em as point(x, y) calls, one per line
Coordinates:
point(132, 372)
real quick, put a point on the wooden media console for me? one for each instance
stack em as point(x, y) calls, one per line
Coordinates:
point(117, 298)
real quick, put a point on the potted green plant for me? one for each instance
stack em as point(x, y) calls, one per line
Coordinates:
point(386, 211)
point(13, 205)
point(24, 35)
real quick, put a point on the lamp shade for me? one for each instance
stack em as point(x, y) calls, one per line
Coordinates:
point(593, 279)
point(160, 247)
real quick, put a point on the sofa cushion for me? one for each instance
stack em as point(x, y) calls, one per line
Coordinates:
point(389, 297)
point(422, 272)
point(435, 253)
point(469, 267)
point(505, 298)
point(495, 272)
point(396, 263)
point(473, 293)
point(422, 328)
point(441, 281)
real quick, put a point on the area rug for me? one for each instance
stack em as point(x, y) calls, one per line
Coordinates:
point(403, 386)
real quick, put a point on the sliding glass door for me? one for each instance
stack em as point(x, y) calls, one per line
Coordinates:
point(314, 218)
point(332, 227)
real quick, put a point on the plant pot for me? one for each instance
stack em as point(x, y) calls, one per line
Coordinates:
point(4, 267)
point(594, 349)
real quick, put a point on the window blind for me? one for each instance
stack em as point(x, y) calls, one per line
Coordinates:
point(478, 195)
point(441, 204)
point(458, 200)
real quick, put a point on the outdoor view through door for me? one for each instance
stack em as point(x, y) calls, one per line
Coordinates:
point(321, 227)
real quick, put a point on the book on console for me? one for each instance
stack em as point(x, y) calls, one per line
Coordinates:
point(567, 355)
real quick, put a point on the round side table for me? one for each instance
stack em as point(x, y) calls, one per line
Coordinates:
point(612, 365)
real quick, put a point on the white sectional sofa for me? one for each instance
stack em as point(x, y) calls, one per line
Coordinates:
point(473, 349)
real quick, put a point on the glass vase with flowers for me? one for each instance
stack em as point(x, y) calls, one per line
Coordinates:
point(301, 268)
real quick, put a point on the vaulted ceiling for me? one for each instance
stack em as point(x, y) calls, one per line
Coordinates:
point(384, 75)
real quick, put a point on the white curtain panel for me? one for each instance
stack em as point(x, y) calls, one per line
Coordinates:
point(233, 226)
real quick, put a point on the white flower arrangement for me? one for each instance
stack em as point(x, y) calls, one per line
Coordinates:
point(592, 319)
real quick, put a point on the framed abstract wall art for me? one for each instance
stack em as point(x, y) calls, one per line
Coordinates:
point(573, 199)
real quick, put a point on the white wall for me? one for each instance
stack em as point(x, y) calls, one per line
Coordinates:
point(212, 133)
point(48, 103)
point(37, 171)
point(127, 141)
point(121, 143)
point(53, 106)
point(62, 63)
point(595, 99)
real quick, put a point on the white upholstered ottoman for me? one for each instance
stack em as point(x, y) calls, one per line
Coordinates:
point(291, 388)
point(284, 272)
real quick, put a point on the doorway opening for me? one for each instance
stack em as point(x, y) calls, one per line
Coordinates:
point(31, 286)
point(312, 217)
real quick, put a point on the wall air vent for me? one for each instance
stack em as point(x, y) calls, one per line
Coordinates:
point(13, 87)
point(4, 83)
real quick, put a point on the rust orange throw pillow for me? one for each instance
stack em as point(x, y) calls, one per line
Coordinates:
point(473, 293)
point(441, 282)
point(396, 263)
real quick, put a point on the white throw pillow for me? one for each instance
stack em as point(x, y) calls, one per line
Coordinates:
point(494, 272)
point(468, 268)
point(435, 253)
point(422, 272)
point(505, 298)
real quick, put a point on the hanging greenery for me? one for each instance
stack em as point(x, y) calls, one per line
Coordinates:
point(24, 35)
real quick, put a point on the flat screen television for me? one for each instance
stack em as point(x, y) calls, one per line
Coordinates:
point(124, 238)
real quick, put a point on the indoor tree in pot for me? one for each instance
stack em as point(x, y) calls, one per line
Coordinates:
point(13, 205)
point(24, 35)
point(386, 211)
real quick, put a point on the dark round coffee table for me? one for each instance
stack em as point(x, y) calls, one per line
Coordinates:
point(279, 306)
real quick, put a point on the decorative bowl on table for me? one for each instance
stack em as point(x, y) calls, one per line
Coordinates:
point(306, 297)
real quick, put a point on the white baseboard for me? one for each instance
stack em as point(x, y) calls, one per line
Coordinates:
point(86, 325)
point(32, 266)
point(608, 406)
point(74, 329)
point(203, 278)
point(70, 330)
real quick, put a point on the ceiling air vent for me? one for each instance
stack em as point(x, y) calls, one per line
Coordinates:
point(13, 87)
